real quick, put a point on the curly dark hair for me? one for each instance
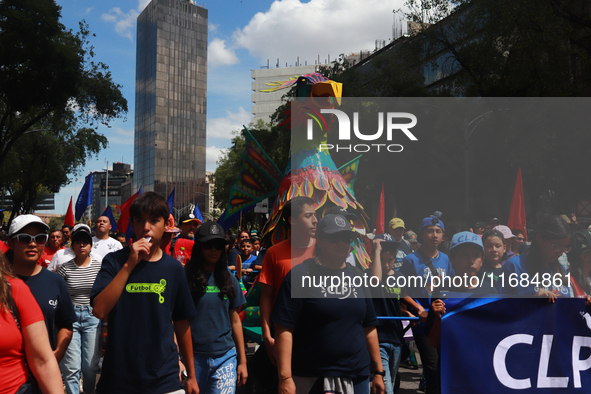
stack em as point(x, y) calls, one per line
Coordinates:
point(197, 276)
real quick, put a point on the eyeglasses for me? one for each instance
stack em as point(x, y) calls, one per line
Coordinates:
point(520, 239)
point(219, 245)
point(340, 237)
point(558, 248)
point(25, 239)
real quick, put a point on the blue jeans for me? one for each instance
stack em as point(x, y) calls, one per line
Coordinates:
point(390, 361)
point(217, 374)
point(83, 352)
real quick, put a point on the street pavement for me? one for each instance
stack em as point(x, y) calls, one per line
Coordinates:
point(409, 380)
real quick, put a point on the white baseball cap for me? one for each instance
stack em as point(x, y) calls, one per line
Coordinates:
point(22, 221)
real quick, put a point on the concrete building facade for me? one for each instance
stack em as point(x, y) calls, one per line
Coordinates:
point(264, 104)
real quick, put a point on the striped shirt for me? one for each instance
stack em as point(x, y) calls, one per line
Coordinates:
point(80, 280)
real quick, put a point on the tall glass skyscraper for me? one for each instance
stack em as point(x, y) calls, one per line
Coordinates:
point(170, 101)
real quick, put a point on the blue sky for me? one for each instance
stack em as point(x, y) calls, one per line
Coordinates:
point(243, 34)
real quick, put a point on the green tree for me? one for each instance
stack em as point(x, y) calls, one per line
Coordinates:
point(506, 48)
point(57, 222)
point(44, 160)
point(48, 79)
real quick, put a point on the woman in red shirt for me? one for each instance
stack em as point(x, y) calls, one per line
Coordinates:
point(27, 345)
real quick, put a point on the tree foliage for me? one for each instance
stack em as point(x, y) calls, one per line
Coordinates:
point(43, 160)
point(52, 95)
point(508, 47)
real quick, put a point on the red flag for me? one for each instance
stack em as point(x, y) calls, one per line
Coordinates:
point(381, 214)
point(69, 220)
point(124, 218)
point(517, 213)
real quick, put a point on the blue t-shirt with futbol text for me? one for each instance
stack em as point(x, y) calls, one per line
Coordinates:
point(328, 337)
point(211, 327)
point(51, 292)
point(140, 354)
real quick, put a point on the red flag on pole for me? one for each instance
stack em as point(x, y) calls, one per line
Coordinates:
point(124, 218)
point(517, 213)
point(381, 213)
point(69, 220)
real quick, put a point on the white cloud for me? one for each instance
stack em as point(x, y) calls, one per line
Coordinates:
point(125, 22)
point(212, 156)
point(120, 136)
point(212, 27)
point(218, 54)
point(89, 10)
point(222, 127)
point(291, 28)
point(142, 4)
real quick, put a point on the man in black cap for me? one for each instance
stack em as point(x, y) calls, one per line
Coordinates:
point(336, 210)
point(188, 225)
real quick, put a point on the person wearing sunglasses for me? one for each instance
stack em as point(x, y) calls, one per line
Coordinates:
point(26, 358)
point(540, 268)
point(325, 332)
point(218, 342)
point(82, 356)
point(27, 238)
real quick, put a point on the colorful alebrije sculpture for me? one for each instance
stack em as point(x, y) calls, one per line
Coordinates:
point(312, 172)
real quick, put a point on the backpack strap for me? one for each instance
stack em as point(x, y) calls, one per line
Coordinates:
point(435, 293)
point(428, 263)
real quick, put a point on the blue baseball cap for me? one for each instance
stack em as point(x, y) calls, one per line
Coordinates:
point(465, 237)
point(431, 221)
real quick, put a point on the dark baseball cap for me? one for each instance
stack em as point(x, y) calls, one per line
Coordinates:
point(210, 230)
point(389, 243)
point(336, 210)
point(581, 241)
point(332, 224)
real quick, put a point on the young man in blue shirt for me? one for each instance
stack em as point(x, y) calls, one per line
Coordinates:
point(144, 295)
point(425, 263)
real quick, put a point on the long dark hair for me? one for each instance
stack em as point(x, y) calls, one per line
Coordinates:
point(4, 288)
point(197, 276)
point(551, 227)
